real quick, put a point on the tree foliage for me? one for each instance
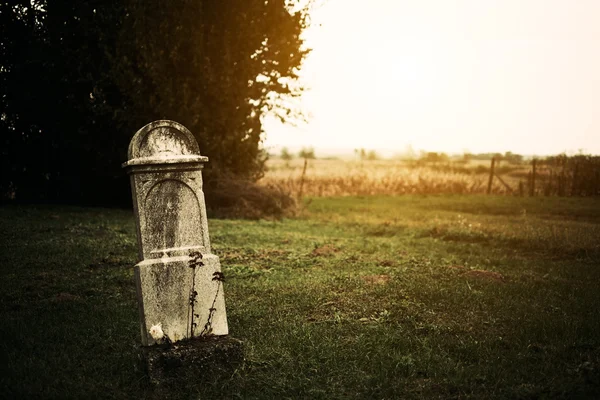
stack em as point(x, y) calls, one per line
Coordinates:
point(79, 78)
point(363, 154)
point(307, 153)
point(286, 155)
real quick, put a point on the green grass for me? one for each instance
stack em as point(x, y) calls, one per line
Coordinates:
point(374, 297)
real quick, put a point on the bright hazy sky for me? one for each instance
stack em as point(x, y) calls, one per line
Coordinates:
point(441, 75)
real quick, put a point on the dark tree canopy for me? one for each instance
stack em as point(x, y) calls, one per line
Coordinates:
point(78, 78)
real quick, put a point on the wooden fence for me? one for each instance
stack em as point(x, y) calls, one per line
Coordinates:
point(556, 176)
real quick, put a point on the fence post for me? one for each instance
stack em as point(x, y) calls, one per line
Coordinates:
point(521, 188)
point(302, 178)
point(561, 183)
point(548, 185)
point(574, 185)
point(489, 188)
point(532, 188)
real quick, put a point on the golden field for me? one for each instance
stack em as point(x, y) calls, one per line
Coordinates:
point(338, 177)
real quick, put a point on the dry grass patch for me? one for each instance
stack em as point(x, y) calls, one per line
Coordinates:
point(324, 178)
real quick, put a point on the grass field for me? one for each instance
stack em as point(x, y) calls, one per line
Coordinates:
point(358, 297)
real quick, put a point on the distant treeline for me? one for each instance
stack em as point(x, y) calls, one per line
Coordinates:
point(509, 157)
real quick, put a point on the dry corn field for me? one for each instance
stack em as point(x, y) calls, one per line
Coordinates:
point(388, 177)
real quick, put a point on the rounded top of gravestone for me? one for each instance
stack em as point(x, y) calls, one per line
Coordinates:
point(163, 142)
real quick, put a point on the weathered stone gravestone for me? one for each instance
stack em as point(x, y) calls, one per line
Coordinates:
point(178, 279)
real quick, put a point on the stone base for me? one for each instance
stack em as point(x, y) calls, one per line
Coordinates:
point(191, 360)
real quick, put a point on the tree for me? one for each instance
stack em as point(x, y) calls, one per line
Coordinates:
point(363, 154)
point(217, 76)
point(513, 158)
point(285, 154)
point(372, 155)
point(434, 157)
point(307, 153)
point(79, 78)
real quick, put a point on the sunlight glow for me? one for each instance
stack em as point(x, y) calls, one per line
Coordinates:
point(517, 76)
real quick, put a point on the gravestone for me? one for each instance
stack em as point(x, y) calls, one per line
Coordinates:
point(179, 281)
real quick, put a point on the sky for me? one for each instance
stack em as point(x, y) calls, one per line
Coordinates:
point(451, 76)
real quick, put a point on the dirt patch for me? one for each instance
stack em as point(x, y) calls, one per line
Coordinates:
point(387, 263)
point(325, 250)
point(274, 253)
